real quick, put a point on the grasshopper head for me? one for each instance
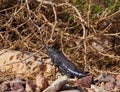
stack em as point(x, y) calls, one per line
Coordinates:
point(51, 51)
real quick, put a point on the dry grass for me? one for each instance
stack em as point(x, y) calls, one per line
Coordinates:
point(92, 44)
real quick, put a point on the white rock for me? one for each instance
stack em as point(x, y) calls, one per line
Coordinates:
point(70, 91)
point(56, 85)
point(10, 62)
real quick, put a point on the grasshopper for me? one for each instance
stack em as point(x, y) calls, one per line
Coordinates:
point(63, 64)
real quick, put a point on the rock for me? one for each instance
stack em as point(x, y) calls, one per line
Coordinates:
point(56, 85)
point(98, 89)
point(41, 82)
point(85, 81)
point(17, 86)
point(21, 64)
point(30, 87)
point(118, 81)
point(101, 43)
point(105, 78)
point(70, 91)
point(118, 77)
point(4, 86)
point(109, 86)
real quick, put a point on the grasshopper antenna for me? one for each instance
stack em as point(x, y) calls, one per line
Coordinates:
point(39, 29)
point(43, 42)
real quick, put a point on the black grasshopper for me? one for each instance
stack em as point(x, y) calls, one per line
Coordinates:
point(63, 64)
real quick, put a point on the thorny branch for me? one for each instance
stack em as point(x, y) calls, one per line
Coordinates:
point(28, 24)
